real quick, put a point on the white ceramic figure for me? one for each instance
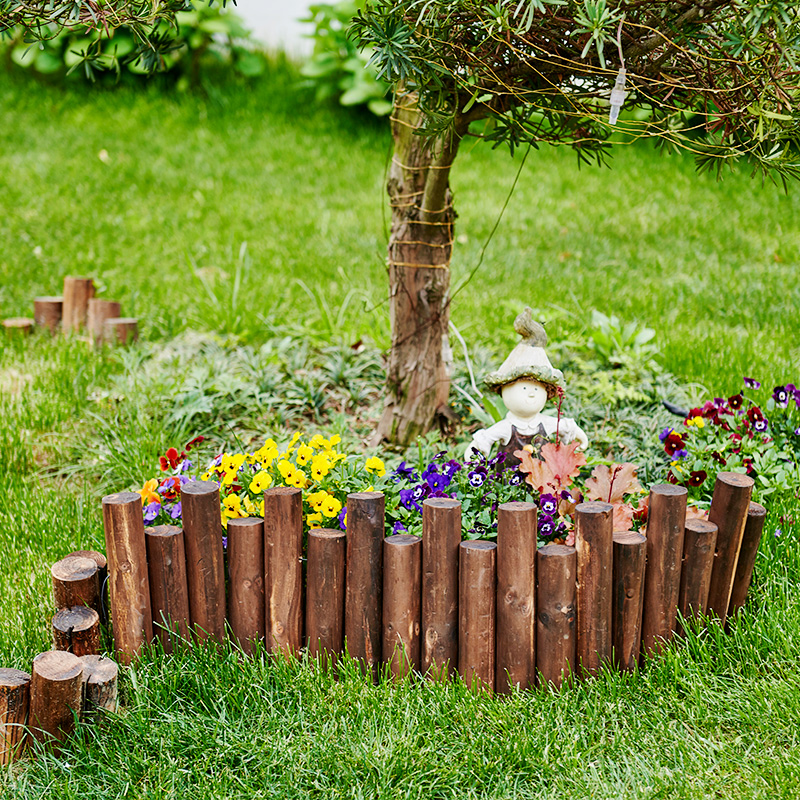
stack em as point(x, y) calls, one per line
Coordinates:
point(526, 381)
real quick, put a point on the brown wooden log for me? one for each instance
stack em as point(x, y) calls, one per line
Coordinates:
point(246, 608)
point(121, 330)
point(477, 608)
point(77, 630)
point(77, 292)
point(102, 579)
point(699, 543)
point(666, 523)
point(129, 587)
point(729, 506)
point(363, 615)
point(594, 542)
point(556, 603)
point(47, 312)
point(325, 580)
point(18, 326)
point(205, 569)
point(629, 565)
point(98, 312)
point(169, 586)
point(15, 695)
point(402, 598)
point(754, 526)
point(441, 537)
point(75, 583)
point(56, 695)
point(516, 596)
point(99, 685)
point(283, 569)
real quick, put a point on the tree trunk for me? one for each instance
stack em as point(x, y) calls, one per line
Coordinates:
point(418, 378)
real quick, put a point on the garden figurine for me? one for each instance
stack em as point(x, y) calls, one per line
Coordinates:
point(526, 381)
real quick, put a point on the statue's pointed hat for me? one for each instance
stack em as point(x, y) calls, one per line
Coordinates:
point(528, 359)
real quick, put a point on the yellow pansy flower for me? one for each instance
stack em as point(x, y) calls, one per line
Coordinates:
point(331, 506)
point(295, 477)
point(261, 481)
point(229, 478)
point(233, 505)
point(250, 507)
point(314, 520)
point(317, 442)
point(295, 437)
point(315, 499)
point(304, 454)
point(206, 477)
point(699, 422)
point(285, 467)
point(374, 464)
point(232, 463)
point(334, 440)
point(148, 492)
point(260, 508)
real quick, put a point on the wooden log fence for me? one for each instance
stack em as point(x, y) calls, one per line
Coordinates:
point(504, 616)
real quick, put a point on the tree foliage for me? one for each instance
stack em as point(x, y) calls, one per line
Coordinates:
point(149, 21)
point(717, 78)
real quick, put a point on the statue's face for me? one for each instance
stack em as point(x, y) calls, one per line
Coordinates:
point(525, 397)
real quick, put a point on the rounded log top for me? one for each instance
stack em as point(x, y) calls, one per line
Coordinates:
point(629, 537)
point(518, 506)
point(283, 490)
point(122, 499)
point(245, 522)
point(97, 557)
point(700, 526)
point(364, 496)
point(402, 539)
point(57, 665)
point(99, 669)
point(478, 544)
point(556, 551)
point(121, 320)
point(324, 533)
point(594, 508)
point(74, 568)
point(735, 479)
point(79, 618)
point(13, 677)
point(756, 510)
point(164, 530)
point(200, 487)
point(441, 502)
point(77, 278)
point(46, 299)
point(669, 490)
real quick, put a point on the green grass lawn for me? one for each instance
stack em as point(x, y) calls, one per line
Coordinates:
point(254, 213)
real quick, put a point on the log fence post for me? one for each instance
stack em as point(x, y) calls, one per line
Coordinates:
point(169, 589)
point(699, 543)
point(629, 567)
point(477, 606)
point(754, 526)
point(556, 602)
point(283, 569)
point(402, 599)
point(516, 596)
point(129, 587)
point(77, 630)
point(56, 695)
point(120, 330)
point(75, 582)
point(363, 615)
point(98, 312)
point(729, 506)
point(15, 696)
point(325, 581)
point(594, 534)
point(77, 292)
point(102, 579)
point(47, 312)
point(99, 685)
point(246, 604)
point(441, 537)
point(666, 524)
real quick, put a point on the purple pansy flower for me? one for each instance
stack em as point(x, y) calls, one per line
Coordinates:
point(760, 425)
point(666, 432)
point(176, 511)
point(217, 461)
point(796, 431)
point(719, 402)
point(680, 454)
point(515, 479)
point(343, 518)
point(548, 503)
point(151, 512)
point(224, 542)
point(404, 472)
point(398, 527)
point(752, 383)
point(547, 525)
point(780, 394)
point(477, 477)
point(185, 465)
point(408, 497)
point(565, 495)
point(451, 467)
point(438, 481)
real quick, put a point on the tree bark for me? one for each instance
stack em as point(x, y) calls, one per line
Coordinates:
point(420, 245)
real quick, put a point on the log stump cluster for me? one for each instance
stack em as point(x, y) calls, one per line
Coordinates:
point(77, 311)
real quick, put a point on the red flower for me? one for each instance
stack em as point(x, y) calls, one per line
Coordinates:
point(736, 402)
point(673, 443)
point(719, 458)
point(196, 440)
point(698, 477)
point(754, 413)
point(170, 459)
point(695, 412)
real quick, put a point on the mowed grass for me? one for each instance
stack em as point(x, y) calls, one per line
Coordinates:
point(161, 222)
point(254, 205)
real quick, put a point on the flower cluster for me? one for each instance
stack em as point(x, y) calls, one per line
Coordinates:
point(316, 466)
point(480, 484)
point(754, 431)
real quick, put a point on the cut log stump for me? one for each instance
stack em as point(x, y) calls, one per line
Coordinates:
point(75, 583)
point(121, 330)
point(402, 587)
point(556, 601)
point(100, 675)
point(15, 694)
point(77, 630)
point(77, 292)
point(56, 695)
point(47, 312)
point(325, 593)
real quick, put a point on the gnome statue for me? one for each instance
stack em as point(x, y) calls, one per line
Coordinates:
point(526, 381)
